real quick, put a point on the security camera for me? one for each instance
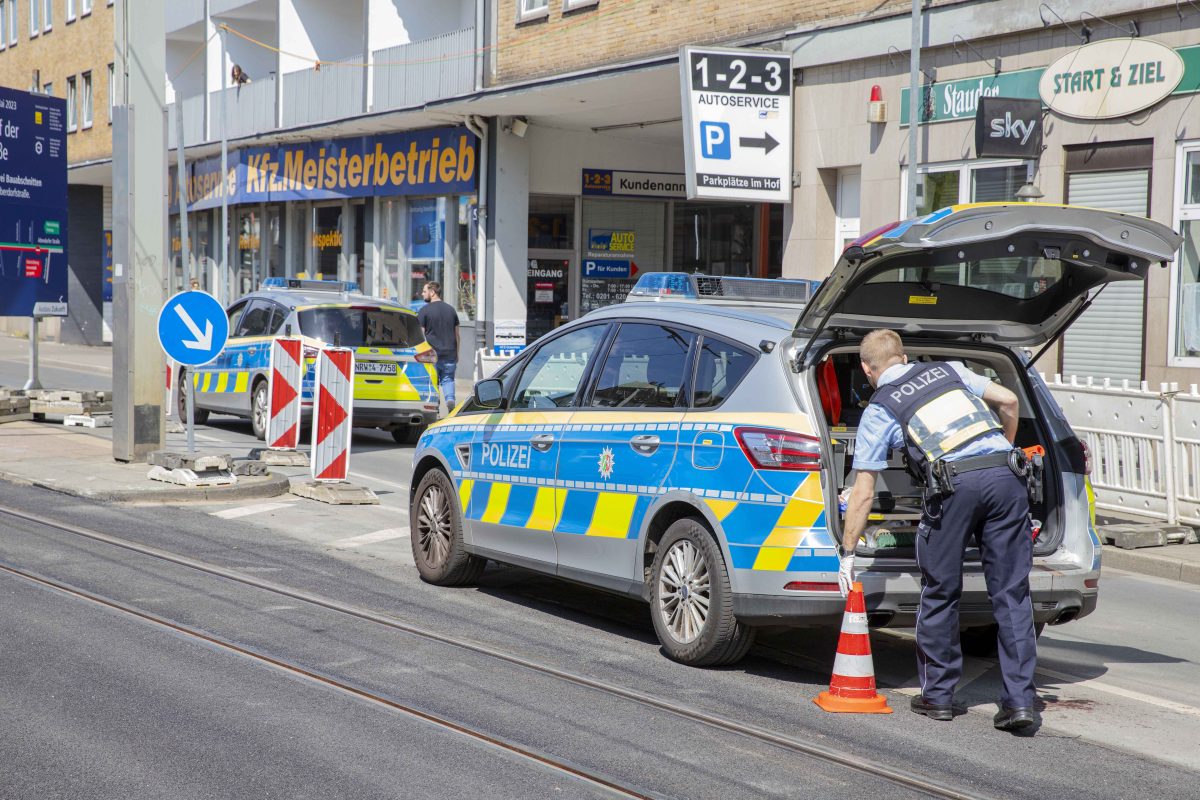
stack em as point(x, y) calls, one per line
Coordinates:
point(518, 126)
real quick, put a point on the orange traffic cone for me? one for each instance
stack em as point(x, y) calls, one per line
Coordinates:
point(852, 687)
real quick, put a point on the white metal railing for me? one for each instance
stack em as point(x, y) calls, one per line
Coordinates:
point(335, 91)
point(193, 121)
point(1144, 444)
point(251, 108)
point(416, 73)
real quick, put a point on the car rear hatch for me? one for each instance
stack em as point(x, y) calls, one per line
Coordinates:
point(392, 360)
point(1012, 274)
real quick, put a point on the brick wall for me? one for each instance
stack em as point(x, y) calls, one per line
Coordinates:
point(68, 49)
point(615, 31)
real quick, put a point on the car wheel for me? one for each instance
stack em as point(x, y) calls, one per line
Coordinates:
point(408, 434)
point(200, 415)
point(259, 412)
point(691, 601)
point(981, 642)
point(436, 530)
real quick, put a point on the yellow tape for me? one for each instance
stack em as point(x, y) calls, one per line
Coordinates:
point(774, 558)
point(464, 494)
point(222, 382)
point(497, 502)
point(242, 383)
point(612, 515)
point(547, 506)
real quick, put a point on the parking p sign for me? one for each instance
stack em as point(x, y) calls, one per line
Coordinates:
point(737, 123)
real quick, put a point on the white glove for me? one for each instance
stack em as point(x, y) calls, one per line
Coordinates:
point(846, 573)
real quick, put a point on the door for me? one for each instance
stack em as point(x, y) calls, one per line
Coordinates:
point(514, 501)
point(1106, 341)
point(617, 452)
point(547, 295)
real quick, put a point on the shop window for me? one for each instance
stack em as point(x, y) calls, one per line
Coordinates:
point(249, 248)
point(327, 240)
point(551, 222)
point(714, 239)
point(426, 244)
point(644, 369)
point(1185, 306)
point(945, 185)
point(275, 266)
point(465, 257)
point(622, 239)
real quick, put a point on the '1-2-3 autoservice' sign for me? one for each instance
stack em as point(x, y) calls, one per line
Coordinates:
point(33, 205)
point(737, 123)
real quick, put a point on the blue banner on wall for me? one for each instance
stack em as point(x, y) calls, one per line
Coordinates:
point(33, 205)
point(434, 161)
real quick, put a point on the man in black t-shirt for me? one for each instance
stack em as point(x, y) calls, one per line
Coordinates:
point(440, 321)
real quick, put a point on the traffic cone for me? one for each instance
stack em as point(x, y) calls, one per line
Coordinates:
point(852, 687)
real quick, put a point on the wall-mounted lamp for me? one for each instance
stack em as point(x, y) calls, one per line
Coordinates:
point(517, 127)
point(876, 107)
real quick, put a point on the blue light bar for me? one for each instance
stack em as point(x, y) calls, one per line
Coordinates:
point(309, 285)
point(677, 285)
point(722, 289)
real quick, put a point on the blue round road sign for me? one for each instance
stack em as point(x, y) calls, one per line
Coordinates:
point(192, 328)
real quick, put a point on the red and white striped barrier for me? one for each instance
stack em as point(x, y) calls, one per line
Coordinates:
point(283, 394)
point(332, 408)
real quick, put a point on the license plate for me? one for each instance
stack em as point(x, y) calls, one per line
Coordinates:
point(375, 367)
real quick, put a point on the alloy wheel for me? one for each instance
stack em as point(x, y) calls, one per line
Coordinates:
point(684, 592)
point(434, 527)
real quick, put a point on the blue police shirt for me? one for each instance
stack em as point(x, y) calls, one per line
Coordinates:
point(879, 432)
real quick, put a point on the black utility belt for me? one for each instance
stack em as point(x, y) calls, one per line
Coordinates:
point(1007, 458)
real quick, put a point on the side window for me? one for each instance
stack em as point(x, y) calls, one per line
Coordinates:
point(256, 321)
point(720, 368)
point(551, 378)
point(235, 315)
point(645, 368)
point(278, 315)
point(505, 376)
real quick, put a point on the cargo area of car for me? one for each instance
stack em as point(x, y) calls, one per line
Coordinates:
point(841, 392)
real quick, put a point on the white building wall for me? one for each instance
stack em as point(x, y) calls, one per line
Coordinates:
point(318, 29)
point(508, 249)
point(255, 59)
point(560, 156)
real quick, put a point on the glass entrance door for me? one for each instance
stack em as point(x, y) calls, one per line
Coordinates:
point(547, 293)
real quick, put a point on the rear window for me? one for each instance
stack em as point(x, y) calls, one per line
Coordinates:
point(361, 326)
point(1020, 277)
point(720, 368)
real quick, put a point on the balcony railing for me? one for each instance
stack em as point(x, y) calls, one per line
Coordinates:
point(193, 121)
point(335, 91)
point(419, 72)
point(251, 108)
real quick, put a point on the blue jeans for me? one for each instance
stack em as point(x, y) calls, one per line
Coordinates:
point(445, 374)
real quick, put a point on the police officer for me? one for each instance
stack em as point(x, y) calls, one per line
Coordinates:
point(941, 414)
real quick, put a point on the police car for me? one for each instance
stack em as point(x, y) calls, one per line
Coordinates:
point(395, 385)
point(691, 452)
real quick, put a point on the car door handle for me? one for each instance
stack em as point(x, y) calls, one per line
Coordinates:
point(542, 442)
point(645, 443)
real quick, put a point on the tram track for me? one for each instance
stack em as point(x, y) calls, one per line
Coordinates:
point(840, 758)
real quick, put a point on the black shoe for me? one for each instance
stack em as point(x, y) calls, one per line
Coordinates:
point(1015, 719)
point(940, 712)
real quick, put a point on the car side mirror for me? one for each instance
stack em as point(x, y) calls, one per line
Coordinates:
point(489, 393)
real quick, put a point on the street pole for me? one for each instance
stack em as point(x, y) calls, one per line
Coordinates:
point(914, 122)
point(223, 268)
point(181, 164)
point(33, 382)
point(139, 219)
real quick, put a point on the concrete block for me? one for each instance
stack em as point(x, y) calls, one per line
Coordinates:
point(88, 421)
point(196, 462)
point(1130, 537)
point(280, 458)
point(335, 493)
point(15, 417)
point(191, 478)
point(248, 468)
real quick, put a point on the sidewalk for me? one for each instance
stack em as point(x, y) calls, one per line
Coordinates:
point(78, 461)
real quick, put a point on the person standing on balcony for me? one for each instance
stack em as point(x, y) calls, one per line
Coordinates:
point(440, 321)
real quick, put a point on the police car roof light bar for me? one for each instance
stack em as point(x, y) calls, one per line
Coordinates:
point(310, 285)
point(684, 286)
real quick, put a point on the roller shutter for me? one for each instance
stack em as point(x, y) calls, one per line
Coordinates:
point(1106, 341)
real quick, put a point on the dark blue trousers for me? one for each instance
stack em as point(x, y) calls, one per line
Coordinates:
point(992, 506)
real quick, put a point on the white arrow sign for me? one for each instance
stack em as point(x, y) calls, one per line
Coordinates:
point(202, 341)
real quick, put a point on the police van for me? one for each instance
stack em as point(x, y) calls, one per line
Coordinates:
point(395, 383)
point(689, 446)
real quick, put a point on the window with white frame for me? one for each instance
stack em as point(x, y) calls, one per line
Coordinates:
point(87, 8)
point(70, 10)
point(47, 14)
point(13, 13)
point(48, 88)
point(572, 5)
point(966, 182)
point(35, 17)
point(532, 9)
point(4, 24)
point(1185, 288)
point(72, 105)
point(112, 95)
point(86, 105)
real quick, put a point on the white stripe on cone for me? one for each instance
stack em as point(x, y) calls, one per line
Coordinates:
point(333, 395)
point(853, 666)
point(286, 377)
point(854, 623)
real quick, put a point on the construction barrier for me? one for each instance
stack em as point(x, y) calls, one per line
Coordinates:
point(487, 362)
point(332, 410)
point(283, 394)
point(1144, 445)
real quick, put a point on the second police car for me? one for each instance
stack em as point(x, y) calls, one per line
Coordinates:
point(692, 454)
point(395, 385)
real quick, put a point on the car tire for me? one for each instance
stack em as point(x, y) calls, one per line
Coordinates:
point(981, 642)
point(259, 410)
point(199, 415)
point(691, 600)
point(436, 531)
point(408, 434)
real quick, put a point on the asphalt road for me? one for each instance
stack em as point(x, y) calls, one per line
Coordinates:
point(1121, 688)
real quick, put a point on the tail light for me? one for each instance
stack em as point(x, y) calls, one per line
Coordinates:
point(427, 356)
point(1087, 457)
point(1079, 458)
point(812, 586)
point(775, 449)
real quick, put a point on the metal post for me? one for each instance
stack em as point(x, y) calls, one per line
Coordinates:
point(189, 395)
point(1166, 398)
point(914, 121)
point(33, 382)
point(223, 268)
point(181, 163)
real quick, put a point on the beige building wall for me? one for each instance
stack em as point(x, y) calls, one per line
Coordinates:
point(615, 31)
point(67, 49)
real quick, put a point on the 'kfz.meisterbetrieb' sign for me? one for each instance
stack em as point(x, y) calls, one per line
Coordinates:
point(737, 123)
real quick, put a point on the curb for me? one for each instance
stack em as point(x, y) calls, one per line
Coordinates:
point(247, 488)
point(1152, 564)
